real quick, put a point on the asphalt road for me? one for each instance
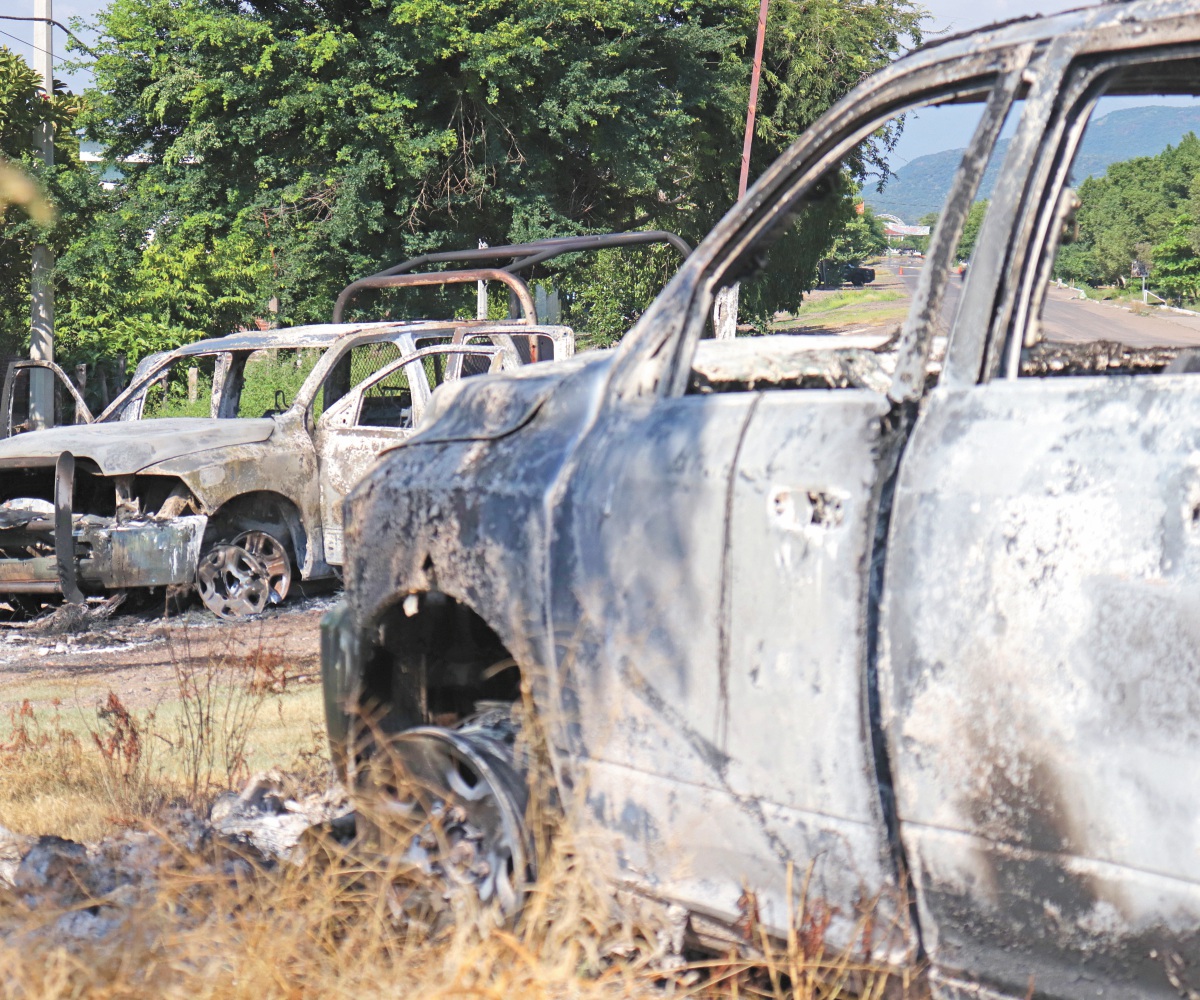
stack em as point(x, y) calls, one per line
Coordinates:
point(1067, 319)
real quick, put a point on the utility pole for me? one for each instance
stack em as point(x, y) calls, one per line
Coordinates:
point(41, 336)
point(725, 309)
point(752, 110)
point(481, 299)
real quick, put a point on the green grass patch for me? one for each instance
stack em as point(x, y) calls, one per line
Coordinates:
point(846, 309)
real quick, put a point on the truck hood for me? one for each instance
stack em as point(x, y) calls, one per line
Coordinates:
point(486, 407)
point(123, 447)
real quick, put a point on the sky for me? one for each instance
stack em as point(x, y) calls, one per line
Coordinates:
point(936, 129)
point(933, 131)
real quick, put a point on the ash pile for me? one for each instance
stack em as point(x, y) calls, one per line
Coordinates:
point(88, 892)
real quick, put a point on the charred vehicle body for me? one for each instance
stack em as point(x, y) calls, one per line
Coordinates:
point(240, 451)
point(203, 471)
point(910, 622)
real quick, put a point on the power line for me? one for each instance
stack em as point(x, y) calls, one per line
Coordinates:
point(24, 41)
point(49, 20)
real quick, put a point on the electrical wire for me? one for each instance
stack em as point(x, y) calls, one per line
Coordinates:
point(47, 20)
point(35, 48)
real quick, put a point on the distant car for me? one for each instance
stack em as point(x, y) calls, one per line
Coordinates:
point(857, 275)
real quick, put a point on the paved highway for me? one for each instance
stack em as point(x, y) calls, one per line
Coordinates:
point(1067, 319)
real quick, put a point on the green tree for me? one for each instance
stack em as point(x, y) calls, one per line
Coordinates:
point(320, 141)
point(1136, 202)
point(1176, 267)
point(860, 237)
point(1076, 264)
point(970, 231)
point(67, 188)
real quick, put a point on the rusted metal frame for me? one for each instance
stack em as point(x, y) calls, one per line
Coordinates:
point(1004, 359)
point(987, 292)
point(537, 251)
point(916, 336)
point(64, 536)
point(6, 395)
point(470, 276)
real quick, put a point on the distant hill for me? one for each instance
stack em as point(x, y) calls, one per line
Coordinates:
point(921, 185)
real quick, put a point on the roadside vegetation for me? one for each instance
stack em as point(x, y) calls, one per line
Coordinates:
point(77, 762)
point(180, 912)
point(1144, 210)
point(846, 309)
point(281, 150)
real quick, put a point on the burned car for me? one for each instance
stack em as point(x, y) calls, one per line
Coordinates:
point(224, 463)
point(905, 630)
point(232, 474)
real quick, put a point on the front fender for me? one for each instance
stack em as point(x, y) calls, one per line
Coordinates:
point(471, 519)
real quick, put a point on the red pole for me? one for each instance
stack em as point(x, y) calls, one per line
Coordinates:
point(754, 74)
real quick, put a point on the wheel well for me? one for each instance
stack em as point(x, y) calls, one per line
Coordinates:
point(261, 511)
point(433, 660)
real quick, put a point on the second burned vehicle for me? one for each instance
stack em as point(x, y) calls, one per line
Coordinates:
point(224, 463)
point(906, 628)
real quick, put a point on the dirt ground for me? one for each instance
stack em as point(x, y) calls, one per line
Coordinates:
point(134, 654)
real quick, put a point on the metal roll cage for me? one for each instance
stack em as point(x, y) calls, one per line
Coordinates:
point(522, 256)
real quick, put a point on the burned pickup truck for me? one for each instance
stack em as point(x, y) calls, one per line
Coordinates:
point(904, 630)
point(224, 463)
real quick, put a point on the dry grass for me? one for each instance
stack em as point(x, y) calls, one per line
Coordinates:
point(340, 924)
point(89, 765)
point(336, 927)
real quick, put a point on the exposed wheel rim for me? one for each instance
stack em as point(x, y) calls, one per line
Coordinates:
point(232, 582)
point(272, 554)
point(455, 806)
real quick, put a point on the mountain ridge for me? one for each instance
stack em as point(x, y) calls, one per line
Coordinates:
point(921, 185)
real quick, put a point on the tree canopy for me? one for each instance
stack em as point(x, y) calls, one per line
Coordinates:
point(1146, 209)
point(22, 110)
point(290, 146)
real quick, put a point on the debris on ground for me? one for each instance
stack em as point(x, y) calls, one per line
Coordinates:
point(70, 618)
point(269, 814)
point(91, 888)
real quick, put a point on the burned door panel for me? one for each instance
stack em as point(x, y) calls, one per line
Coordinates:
point(1042, 655)
point(351, 435)
point(641, 539)
point(793, 717)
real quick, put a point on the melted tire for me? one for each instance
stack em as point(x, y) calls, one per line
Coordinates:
point(450, 803)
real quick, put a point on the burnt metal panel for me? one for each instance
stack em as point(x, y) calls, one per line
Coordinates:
point(64, 541)
point(649, 557)
point(801, 527)
point(142, 553)
point(119, 449)
point(469, 276)
point(1042, 662)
